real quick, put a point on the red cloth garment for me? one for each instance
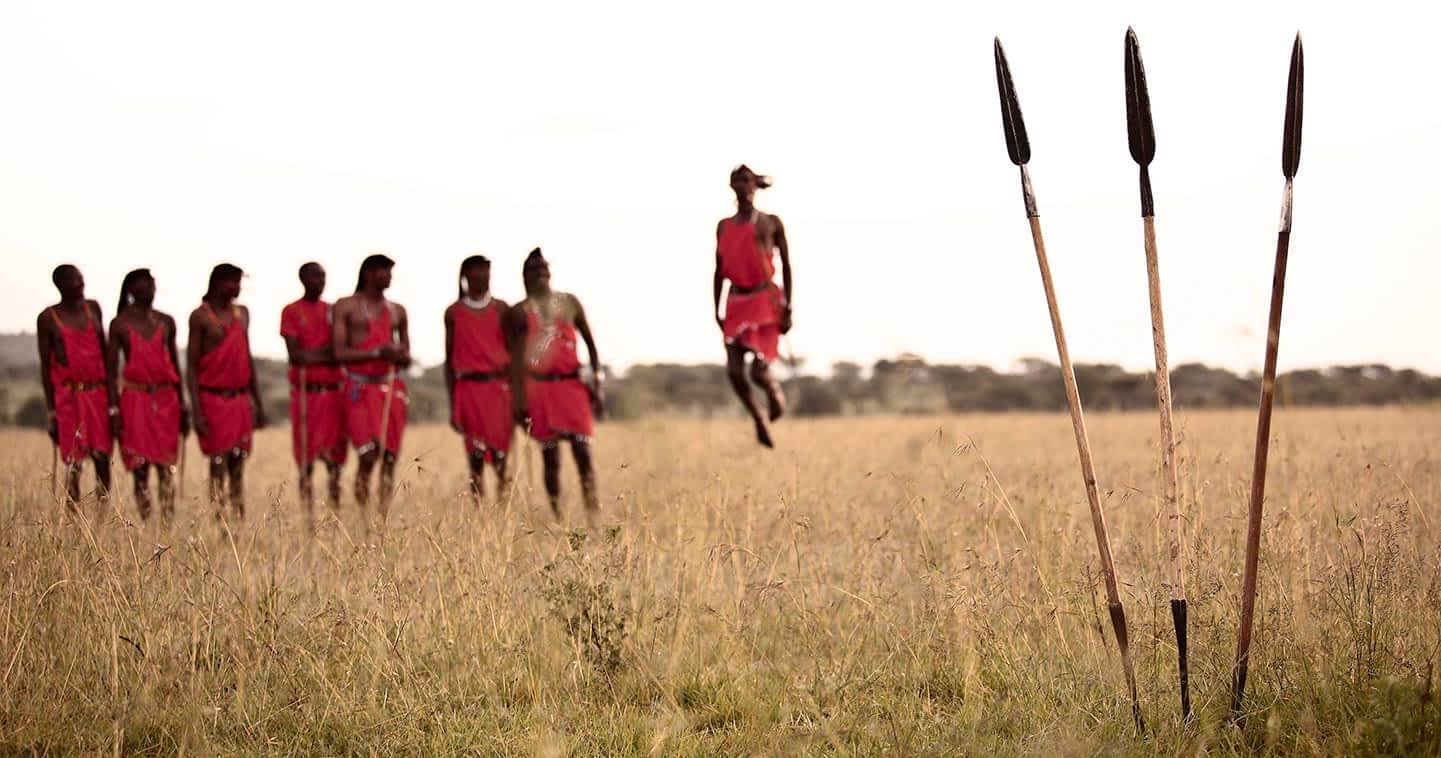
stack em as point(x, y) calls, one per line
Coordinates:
point(754, 305)
point(367, 386)
point(557, 400)
point(82, 403)
point(149, 402)
point(322, 400)
point(481, 400)
point(224, 378)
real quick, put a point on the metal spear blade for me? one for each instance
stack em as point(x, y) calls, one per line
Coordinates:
point(1291, 140)
point(1015, 127)
point(1139, 129)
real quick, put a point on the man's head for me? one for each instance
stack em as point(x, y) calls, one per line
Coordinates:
point(745, 182)
point(312, 277)
point(224, 283)
point(69, 282)
point(536, 273)
point(474, 276)
point(375, 273)
point(137, 288)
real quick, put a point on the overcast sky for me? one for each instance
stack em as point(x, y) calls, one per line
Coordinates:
point(176, 135)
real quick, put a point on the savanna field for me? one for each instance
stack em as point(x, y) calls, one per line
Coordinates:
point(876, 586)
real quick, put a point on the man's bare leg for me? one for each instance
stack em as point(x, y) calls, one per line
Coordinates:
point(102, 479)
point(580, 450)
point(736, 372)
point(476, 460)
point(387, 482)
point(332, 484)
point(550, 463)
point(235, 463)
point(775, 398)
point(217, 485)
point(363, 471)
point(165, 483)
point(307, 494)
point(141, 478)
point(502, 480)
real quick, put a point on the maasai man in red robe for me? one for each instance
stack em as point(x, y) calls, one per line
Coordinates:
point(153, 417)
point(80, 401)
point(372, 342)
point(549, 396)
point(477, 374)
point(224, 395)
point(757, 314)
point(317, 400)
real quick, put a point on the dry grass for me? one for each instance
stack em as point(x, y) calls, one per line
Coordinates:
point(877, 586)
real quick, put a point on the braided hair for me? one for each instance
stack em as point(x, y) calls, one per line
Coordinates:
point(474, 260)
point(130, 280)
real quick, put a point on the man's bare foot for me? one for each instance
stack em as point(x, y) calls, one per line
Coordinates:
point(763, 435)
point(777, 402)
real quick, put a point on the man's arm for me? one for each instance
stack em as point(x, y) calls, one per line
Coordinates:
point(718, 280)
point(582, 325)
point(45, 344)
point(169, 325)
point(193, 347)
point(779, 232)
point(515, 327)
point(297, 355)
point(112, 370)
point(450, 358)
point(402, 332)
point(254, 376)
point(112, 388)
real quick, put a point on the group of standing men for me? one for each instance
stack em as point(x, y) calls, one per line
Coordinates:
point(504, 366)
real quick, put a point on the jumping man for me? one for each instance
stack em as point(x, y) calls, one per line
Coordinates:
point(756, 313)
point(548, 395)
point(317, 404)
point(477, 375)
point(220, 372)
point(372, 341)
point(153, 417)
point(80, 400)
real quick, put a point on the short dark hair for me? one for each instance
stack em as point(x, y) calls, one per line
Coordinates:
point(306, 265)
point(372, 262)
point(473, 260)
point(60, 271)
point(762, 181)
point(224, 272)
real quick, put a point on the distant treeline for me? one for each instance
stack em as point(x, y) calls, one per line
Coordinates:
point(908, 385)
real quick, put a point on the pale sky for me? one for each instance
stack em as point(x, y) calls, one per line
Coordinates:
point(175, 135)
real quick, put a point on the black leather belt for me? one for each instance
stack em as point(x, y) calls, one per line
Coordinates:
point(482, 376)
point(313, 387)
point(750, 290)
point(225, 391)
point(555, 377)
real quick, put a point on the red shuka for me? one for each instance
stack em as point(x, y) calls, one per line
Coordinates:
point(557, 400)
point(224, 378)
point(149, 402)
point(324, 402)
point(365, 391)
point(82, 418)
point(754, 305)
point(481, 362)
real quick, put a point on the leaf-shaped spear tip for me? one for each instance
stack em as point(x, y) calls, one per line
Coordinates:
point(1141, 132)
point(1291, 140)
point(1011, 121)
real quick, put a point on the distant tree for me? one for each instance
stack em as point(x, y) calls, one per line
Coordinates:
point(32, 412)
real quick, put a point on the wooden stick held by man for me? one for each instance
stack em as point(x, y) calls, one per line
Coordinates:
point(372, 343)
point(549, 397)
point(82, 411)
point(317, 399)
point(477, 376)
point(154, 419)
point(224, 395)
point(756, 312)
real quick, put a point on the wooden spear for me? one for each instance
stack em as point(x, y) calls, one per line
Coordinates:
point(1020, 150)
point(1290, 159)
point(1142, 136)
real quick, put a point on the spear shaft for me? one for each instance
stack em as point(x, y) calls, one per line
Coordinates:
point(1290, 161)
point(1142, 137)
point(1019, 148)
